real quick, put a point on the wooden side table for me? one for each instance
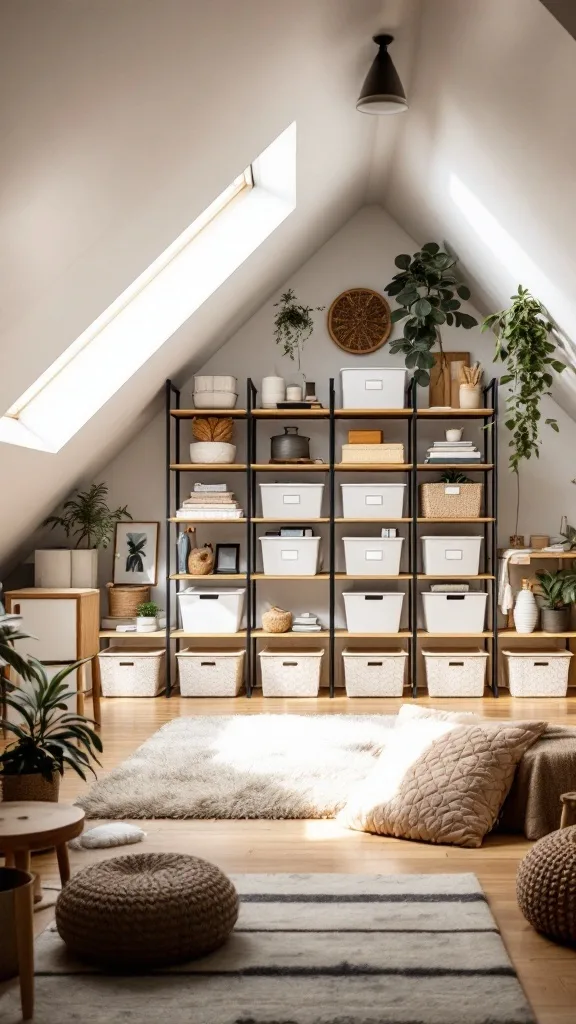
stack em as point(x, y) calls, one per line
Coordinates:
point(568, 801)
point(35, 825)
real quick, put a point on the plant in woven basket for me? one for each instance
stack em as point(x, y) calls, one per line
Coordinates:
point(89, 518)
point(454, 476)
point(48, 736)
point(213, 428)
point(293, 325)
point(425, 289)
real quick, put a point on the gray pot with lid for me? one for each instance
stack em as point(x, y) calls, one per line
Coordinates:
point(289, 445)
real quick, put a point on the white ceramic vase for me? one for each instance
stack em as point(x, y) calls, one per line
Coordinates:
point(146, 623)
point(525, 611)
point(273, 391)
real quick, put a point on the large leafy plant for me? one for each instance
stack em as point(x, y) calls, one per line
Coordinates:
point(10, 631)
point(48, 736)
point(558, 588)
point(428, 295)
point(87, 517)
point(293, 324)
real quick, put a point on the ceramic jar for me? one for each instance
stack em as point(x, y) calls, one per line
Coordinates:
point(525, 610)
point(470, 396)
point(273, 391)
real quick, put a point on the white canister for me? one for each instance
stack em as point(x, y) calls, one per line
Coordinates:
point(273, 391)
point(525, 610)
point(470, 396)
point(454, 434)
point(294, 393)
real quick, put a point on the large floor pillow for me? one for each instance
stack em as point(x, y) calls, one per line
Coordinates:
point(440, 781)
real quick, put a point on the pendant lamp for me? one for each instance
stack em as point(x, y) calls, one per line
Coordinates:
point(382, 92)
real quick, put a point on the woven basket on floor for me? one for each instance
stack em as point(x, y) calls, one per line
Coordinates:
point(146, 910)
point(546, 885)
point(124, 601)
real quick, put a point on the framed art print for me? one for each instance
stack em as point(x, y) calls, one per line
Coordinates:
point(136, 553)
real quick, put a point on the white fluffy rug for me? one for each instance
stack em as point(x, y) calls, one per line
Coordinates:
point(245, 766)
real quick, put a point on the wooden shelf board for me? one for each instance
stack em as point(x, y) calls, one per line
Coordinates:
point(291, 467)
point(344, 633)
point(209, 576)
point(109, 634)
point(451, 414)
point(462, 579)
point(199, 522)
point(207, 467)
point(179, 634)
point(357, 576)
point(459, 519)
point(373, 414)
point(188, 414)
point(288, 522)
point(423, 635)
point(549, 554)
point(261, 634)
point(511, 634)
point(372, 467)
point(480, 467)
point(341, 519)
point(290, 414)
point(264, 576)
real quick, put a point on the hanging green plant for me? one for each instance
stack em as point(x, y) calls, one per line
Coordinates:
point(426, 290)
point(523, 344)
point(293, 324)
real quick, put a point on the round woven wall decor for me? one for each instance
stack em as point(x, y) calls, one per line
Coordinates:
point(359, 321)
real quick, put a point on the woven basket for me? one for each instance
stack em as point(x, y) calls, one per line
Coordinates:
point(276, 620)
point(386, 454)
point(439, 501)
point(201, 561)
point(124, 601)
point(30, 787)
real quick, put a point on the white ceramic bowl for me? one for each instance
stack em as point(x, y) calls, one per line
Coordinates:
point(208, 382)
point(215, 399)
point(212, 452)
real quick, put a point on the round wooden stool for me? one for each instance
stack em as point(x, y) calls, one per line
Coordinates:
point(34, 825)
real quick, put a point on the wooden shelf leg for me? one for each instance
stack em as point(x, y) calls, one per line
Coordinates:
point(96, 691)
point(63, 863)
point(24, 916)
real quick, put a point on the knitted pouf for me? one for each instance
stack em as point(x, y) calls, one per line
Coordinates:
point(546, 885)
point(146, 910)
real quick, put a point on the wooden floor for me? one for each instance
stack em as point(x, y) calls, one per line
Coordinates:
point(547, 971)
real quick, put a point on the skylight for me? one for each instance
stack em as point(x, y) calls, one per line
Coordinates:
point(157, 303)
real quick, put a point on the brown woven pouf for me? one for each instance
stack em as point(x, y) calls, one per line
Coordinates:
point(546, 885)
point(146, 910)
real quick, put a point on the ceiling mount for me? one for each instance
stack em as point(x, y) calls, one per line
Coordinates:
point(382, 92)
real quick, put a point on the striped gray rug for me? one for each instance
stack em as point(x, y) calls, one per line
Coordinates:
point(313, 949)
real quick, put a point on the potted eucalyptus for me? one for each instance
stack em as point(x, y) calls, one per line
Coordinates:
point(89, 520)
point(47, 736)
point(293, 325)
point(147, 617)
point(558, 592)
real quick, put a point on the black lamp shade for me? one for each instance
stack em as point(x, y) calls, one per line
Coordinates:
point(382, 92)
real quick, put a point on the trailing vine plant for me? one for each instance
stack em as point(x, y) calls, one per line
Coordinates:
point(426, 290)
point(523, 345)
point(293, 324)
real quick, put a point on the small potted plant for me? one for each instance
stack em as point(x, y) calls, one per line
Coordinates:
point(558, 592)
point(293, 325)
point(88, 519)
point(47, 737)
point(147, 617)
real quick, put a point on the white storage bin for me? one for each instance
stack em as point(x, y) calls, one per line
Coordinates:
point(290, 556)
point(219, 382)
point(211, 610)
point(451, 556)
point(451, 673)
point(132, 671)
point(374, 673)
point(538, 673)
point(373, 387)
point(290, 671)
point(373, 612)
point(454, 613)
point(291, 501)
point(372, 556)
point(373, 501)
point(210, 673)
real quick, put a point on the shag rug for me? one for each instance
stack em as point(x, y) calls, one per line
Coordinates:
point(311, 949)
point(243, 766)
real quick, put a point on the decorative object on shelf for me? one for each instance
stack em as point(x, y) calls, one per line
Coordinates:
point(523, 344)
point(215, 392)
point(276, 620)
point(136, 553)
point(212, 453)
point(88, 519)
point(293, 393)
point(201, 561)
point(47, 737)
point(289, 445)
point(517, 540)
point(470, 380)
point(454, 434)
point(377, 453)
point(213, 435)
point(559, 592)
point(293, 325)
point(525, 609)
point(425, 289)
point(310, 391)
point(444, 390)
point(273, 391)
point(185, 539)
point(546, 885)
point(123, 601)
point(365, 437)
point(147, 617)
point(382, 91)
point(538, 541)
point(227, 559)
point(359, 321)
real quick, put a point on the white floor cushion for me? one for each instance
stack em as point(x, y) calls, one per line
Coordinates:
point(117, 833)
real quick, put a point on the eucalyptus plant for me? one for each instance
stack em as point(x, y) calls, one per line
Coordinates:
point(293, 324)
point(428, 294)
point(88, 517)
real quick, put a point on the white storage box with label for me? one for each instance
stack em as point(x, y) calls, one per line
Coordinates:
point(373, 501)
point(373, 612)
point(372, 556)
point(210, 673)
point(454, 613)
point(451, 556)
point(291, 501)
point(290, 556)
point(374, 673)
point(538, 673)
point(132, 671)
point(290, 671)
point(211, 610)
point(451, 673)
point(373, 387)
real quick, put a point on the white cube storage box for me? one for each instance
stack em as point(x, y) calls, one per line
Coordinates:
point(370, 612)
point(451, 556)
point(211, 610)
point(290, 671)
point(374, 673)
point(373, 387)
point(454, 613)
point(372, 556)
point(132, 671)
point(373, 501)
point(210, 673)
point(290, 556)
point(538, 673)
point(453, 673)
point(291, 501)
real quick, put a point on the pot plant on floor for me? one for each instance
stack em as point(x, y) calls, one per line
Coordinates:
point(89, 520)
point(147, 617)
point(47, 737)
point(558, 590)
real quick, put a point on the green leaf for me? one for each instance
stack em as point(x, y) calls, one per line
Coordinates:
point(558, 366)
point(449, 319)
point(399, 314)
point(403, 261)
point(463, 291)
point(431, 247)
point(422, 308)
point(407, 297)
point(411, 359)
point(467, 321)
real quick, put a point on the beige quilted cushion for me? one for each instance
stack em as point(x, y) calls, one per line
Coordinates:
point(440, 781)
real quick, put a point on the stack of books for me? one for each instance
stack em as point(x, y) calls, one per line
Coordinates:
point(306, 622)
point(210, 501)
point(453, 452)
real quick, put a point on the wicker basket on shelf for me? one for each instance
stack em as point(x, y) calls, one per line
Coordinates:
point(124, 601)
point(450, 501)
point(276, 620)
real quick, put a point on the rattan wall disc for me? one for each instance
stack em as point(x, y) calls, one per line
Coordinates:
point(359, 321)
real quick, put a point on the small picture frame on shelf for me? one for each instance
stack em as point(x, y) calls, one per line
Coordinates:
point(136, 553)
point(227, 560)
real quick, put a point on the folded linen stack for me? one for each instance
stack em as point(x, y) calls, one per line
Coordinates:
point(306, 622)
point(210, 501)
point(453, 452)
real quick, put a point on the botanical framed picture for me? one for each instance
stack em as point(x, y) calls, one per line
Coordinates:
point(136, 553)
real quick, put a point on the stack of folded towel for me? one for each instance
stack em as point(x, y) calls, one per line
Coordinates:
point(210, 501)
